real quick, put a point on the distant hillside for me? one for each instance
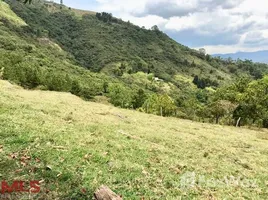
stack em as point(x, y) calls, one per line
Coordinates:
point(101, 58)
point(54, 7)
point(258, 56)
point(103, 43)
point(33, 61)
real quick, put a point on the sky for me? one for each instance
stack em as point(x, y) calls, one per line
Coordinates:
point(219, 26)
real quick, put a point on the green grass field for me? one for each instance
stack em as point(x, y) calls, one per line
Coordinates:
point(73, 147)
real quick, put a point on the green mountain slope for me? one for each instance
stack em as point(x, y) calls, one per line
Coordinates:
point(100, 58)
point(38, 61)
point(104, 43)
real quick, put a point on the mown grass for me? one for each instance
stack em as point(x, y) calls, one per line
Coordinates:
point(73, 147)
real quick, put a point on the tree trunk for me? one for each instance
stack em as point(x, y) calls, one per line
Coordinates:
point(217, 119)
point(105, 193)
point(238, 122)
point(265, 123)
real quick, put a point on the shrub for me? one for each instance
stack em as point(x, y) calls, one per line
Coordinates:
point(120, 96)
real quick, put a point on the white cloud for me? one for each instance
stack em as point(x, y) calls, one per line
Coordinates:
point(121, 6)
point(147, 21)
point(222, 49)
point(232, 25)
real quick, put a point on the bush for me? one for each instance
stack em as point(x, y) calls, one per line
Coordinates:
point(24, 74)
point(162, 105)
point(120, 96)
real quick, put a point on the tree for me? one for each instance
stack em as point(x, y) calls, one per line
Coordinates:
point(138, 99)
point(196, 80)
point(58, 82)
point(202, 51)
point(105, 17)
point(120, 96)
point(155, 28)
point(208, 58)
point(202, 83)
point(167, 105)
point(162, 105)
point(26, 74)
point(221, 108)
point(26, 1)
point(105, 87)
point(75, 88)
point(254, 101)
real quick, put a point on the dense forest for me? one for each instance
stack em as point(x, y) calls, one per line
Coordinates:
point(53, 47)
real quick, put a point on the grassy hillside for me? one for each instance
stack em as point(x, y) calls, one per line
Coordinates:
point(39, 62)
point(74, 146)
point(32, 59)
point(23, 48)
point(9, 15)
